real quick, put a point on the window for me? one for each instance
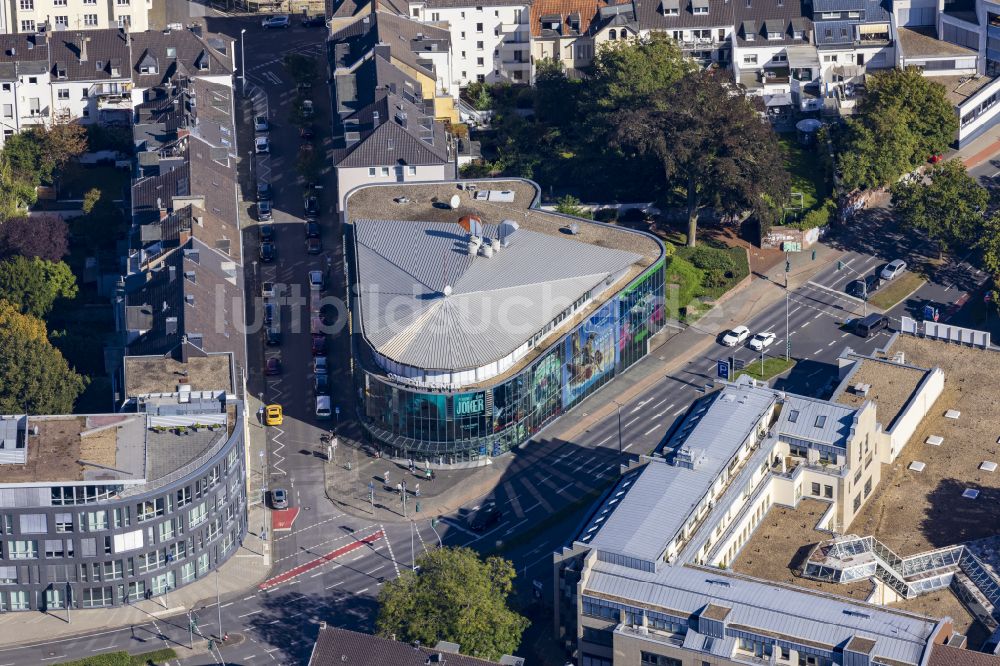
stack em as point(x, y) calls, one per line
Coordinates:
point(671, 11)
point(828, 492)
point(701, 10)
point(62, 20)
point(479, 61)
point(88, 547)
point(650, 659)
point(94, 521)
point(411, 171)
point(148, 510)
point(496, 13)
point(54, 548)
point(591, 660)
point(63, 93)
point(479, 27)
point(750, 59)
point(384, 172)
point(34, 523)
point(151, 561)
point(97, 597)
point(22, 550)
point(8, 110)
point(481, 78)
point(123, 2)
point(830, 15)
point(166, 529)
point(112, 570)
point(435, 16)
point(815, 489)
point(793, 416)
point(27, 5)
point(90, 19)
point(122, 517)
point(8, 575)
point(198, 514)
point(137, 590)
point(371, 172)
point(64, 522)
point(19, 601)
point(183, 497)
point(128, 541)
point(868, 487)
point(60, 3)
point(202, 564)
point(416, 13)
point(857, 502)
point(479, 46)
point(598, 636)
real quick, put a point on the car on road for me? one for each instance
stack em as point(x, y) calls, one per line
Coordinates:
point(266, 232)
point(321, 385)
point(311, 205)
point(307, 108)
point(279, 498)
point(863, 288)
point(762, 341)
point(320, 366)
point(272, 336)
point(304, 86)
point(306, 133)
point(280, 21)
point(870, 325)
point(263, 190)
point(736, 336)
point(312, 229)
point(260, 124)
point(316, 280)
point(262, 145)
point(318, 344)
point(270, 313)
point(267, 290)
point(272, 366)
point(313, 21)
point(323, 410)
point(273, 415)
point(264, 210)
point(893, 269)
point(487, 516)
point(267, 252)
point(314, 246)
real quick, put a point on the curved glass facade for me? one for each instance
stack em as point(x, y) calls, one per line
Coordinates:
point(444, 427)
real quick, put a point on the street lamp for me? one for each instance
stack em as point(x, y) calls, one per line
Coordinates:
point(243, 62)
point(619, 407)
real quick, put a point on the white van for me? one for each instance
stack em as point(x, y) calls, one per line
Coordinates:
point(323, 407)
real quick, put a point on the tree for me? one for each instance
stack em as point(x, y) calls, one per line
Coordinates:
point(302, 68)
point(905, 118)
point(713, 145)
point(37, 153)
point(41, 236)
point(63, 142)
point(456, 597)
point(989, 245)
point(90, 199)
point(309, 164)
point(570, 205)
point(34, 284)
point(627, 73)
point(34, 376)
point(16, 194)
point(947, 205)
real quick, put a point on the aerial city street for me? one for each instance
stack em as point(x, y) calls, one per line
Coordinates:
point(535, 332)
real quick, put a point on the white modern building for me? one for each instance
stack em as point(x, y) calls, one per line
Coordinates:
point(29, 16)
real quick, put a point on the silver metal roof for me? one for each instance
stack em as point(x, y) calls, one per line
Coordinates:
point(769, 607)
point(816, 420)
point(647, 511)
point(495, 304)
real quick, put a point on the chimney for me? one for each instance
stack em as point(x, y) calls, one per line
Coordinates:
point(375, 118)
point(163, 213)
point(83, 47)
point(173, 273)
point(184, 236)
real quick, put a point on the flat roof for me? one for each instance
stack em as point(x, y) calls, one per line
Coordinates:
point(100, 448)
point(960, 88)
point(410, 247)
point(891, 386)
point(161, 374)
point(924, 42)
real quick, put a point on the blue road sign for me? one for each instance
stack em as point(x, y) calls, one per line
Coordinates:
point(371, 485)
point(336, 410)
point(928, 312)
point(722, 368)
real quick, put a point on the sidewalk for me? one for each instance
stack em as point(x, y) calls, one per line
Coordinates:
point(979, 150)
point(349, 474)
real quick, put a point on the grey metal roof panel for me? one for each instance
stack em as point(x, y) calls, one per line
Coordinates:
point(835, 32)
point(816, 420)
point(649, 15)
point(838, 5)
point(770, 607)
point(408, 264)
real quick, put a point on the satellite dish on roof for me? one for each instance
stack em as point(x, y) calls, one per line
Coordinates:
point(447, 290)
point(456, 201)
point(506, 231)
point(472, 224)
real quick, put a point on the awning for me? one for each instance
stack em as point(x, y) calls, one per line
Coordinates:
point(800, 57)
point(781, 99)
point(873, 28)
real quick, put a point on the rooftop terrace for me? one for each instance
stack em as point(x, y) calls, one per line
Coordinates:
point(162, 374)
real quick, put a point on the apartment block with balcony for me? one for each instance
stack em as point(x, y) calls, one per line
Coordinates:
point(489, 42)
point(703, 28)
point(571, 31)
point(29, 16)
point(25, 93)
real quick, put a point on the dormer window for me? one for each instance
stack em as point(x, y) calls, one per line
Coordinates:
point(60, 72)
point(171, 52)
point(700, 7)
point(774, 35)
point(830, 15)
point(749, 36)
point(671, 7)
point(99, 65)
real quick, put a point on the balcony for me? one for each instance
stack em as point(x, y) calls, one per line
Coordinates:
point(701, 43)
point(119, 102)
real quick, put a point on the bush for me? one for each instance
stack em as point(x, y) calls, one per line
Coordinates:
point(683, 281)
point(710, 259)
point(478, 95)
point(635, 215)
point(819, 216)
point(606, 214)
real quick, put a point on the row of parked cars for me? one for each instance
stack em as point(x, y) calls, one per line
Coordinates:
point(740, 334)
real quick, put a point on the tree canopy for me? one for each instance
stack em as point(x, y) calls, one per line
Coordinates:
point(904, 119)
point(947, 205)
point(34, 376)
point(455, 597)
point(713, 144)
point(33, 285)
point(42, 236)
point(35, 154)
point(632, 72)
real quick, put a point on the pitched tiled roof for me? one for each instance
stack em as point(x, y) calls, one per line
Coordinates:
point(650, 15)
point(22, 54)
point(583, 11)
point(947, 655)
point(768, 15)
point(340, 647)
point(106, 52)
point(400, 134)
point(188, 52)
point(472, 4)
point(213, 176)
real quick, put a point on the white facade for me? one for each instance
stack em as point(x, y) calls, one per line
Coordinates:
point(24, 101)
point(31, 15)
point(489, 43)
point(350, 177)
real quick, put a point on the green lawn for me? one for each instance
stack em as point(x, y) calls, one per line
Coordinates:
point(122, 658)
point(807, 172)
point(898, 289)
point(705, 272)
point(76, 179)
point(773, 366)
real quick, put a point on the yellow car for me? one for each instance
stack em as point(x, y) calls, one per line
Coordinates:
point(272, 415)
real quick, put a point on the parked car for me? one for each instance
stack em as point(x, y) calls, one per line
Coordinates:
point(306, 133)
point(736, 336)
point(267, 290)
point(862, 288)
point(871, 325)
point(323, 410)
point(307, 108)
point(313, 21)
point(272, 336)
point(270, 314)
point(314, 246)
point(893, 269)
point(281, 21)
point(279, 498)
point(762, 341)
point(487, 516)
point(263, 190)
point(273, 415)
point(262, 145)
point(318, 344)
point(312, 229)
point(264, 210)
point(311, 205)
point(260, 124)
point(316, 280)
point(267, 252)
point(266, 232)
point(320, 366)
point(272, 366)
point(322, 385)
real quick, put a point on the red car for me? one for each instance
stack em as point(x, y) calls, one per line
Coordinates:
point(318, 344)
point(934, 159)
point(272, 366)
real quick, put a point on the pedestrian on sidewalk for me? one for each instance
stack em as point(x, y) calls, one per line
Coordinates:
point(399, 488)
point(428, 474)
point(416, 490)
point(412, 466)
point(385, 477)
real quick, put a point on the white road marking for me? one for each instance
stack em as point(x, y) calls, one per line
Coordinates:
point(650, 431)
point(639, 405)
point(330, 587)
point(388, 544)
point(252, 613)
point(362, 591)
point(680, 411)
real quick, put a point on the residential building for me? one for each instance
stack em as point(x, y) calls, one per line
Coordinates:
point(489, 42)
point(335, 647)
point(570, 32)
point(702, 28)
point(26, 98)
point(30, 16)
